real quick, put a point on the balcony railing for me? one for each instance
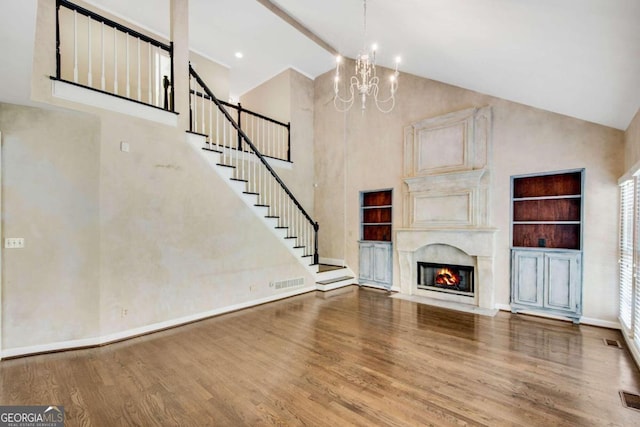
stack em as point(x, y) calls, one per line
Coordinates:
point(271, 137)
point(95, 52)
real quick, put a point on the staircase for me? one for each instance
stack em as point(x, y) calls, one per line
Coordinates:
point(234, 157)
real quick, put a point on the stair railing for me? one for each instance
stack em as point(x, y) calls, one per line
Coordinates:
point(100, 54)
point(270, 136)
point(250, 165)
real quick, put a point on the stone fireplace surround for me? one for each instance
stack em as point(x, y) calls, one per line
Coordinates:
point(447, 174)
point(478, 244)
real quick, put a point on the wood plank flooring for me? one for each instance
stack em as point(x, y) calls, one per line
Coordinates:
point(351, 357)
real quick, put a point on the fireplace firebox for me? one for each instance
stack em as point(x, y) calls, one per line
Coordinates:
point(451, 278)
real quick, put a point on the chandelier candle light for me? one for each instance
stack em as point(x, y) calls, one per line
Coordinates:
point(365, 81)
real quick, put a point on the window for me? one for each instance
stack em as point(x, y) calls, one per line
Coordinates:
point(629, 260)
point(626, 253)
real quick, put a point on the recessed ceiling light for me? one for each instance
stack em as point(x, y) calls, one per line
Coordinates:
point(239, 55)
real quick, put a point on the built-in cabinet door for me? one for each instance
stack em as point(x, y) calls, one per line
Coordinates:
point(562, 279)
point(528, 278)
point(366, 261)
point(375, 263)
point(382, 263)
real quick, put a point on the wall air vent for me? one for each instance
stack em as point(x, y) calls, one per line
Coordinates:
point(286, 284)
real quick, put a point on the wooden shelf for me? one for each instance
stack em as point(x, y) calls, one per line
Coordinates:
point(547, 210)
point(560, 184)
point(375, 215)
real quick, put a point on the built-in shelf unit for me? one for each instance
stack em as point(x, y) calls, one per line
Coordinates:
point(546, 254)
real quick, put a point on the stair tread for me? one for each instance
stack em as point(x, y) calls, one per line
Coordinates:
point(239, 179)
point(329, 267)
point(225, 166)
point(211, 149)
point(250, 192)
point(262, 206)
point(291, 237)
point(271, 216)
point(337, 279)
point(281, 227)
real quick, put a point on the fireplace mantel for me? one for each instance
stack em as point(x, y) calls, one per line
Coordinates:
point(478, 243)
point(447, 176)
point(473, 241)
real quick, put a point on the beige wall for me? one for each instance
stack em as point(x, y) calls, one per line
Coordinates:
point(356, 151)
point(288, 97)
point(215, 76)
point(632, 143)
point(153, 231)
point(120, 241)
point(272, 98)
point(50, 190)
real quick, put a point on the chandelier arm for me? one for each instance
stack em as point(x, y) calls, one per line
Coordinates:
point(347, 102)
point(380, 103)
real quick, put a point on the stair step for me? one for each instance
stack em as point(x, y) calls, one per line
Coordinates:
point(271, 216)
point(262, 206)
point(281, 227)
point(291, 237)
point(329, 267)
point(225, 166)
point(238, 179)
point(250, 192)
point(337, 279)
point(212, 149)
point(298, 247)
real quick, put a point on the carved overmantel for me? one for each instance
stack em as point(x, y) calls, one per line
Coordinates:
point(447, 170)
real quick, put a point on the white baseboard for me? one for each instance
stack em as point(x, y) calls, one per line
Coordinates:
point(583, 320)
point(599, 322)
point(143, 330)
point(633, 348)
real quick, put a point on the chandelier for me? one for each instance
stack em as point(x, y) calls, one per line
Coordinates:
point(365, 82)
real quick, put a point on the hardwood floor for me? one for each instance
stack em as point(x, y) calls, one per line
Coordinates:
point(352, 357)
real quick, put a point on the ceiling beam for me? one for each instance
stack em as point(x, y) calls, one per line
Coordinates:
point(276, 10)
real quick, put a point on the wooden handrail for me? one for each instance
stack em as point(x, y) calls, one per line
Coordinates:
point(273, 173)
point(81, 10)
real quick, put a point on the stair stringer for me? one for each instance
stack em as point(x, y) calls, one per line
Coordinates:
point(213, 159)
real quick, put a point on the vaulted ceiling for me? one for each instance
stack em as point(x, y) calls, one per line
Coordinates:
point(575, 57)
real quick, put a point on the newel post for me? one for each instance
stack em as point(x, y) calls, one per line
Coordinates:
point(239, 127)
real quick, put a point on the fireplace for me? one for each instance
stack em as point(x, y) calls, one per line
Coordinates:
point(447, 210)
point(450, 278)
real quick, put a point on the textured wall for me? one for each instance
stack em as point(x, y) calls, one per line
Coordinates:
point(50, 190)
point(272, 98)
point(357, 151)
point(153, 231)
point(289, 97)
point(632, 143)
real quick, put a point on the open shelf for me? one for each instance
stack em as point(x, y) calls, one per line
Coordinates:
point(547, 210)
point(375, 215)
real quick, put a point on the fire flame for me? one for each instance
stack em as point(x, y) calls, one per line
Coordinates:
point(446, 276)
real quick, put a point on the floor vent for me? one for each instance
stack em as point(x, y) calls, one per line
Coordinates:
point(286, 284)
point(630, 400)
point(612, 343)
